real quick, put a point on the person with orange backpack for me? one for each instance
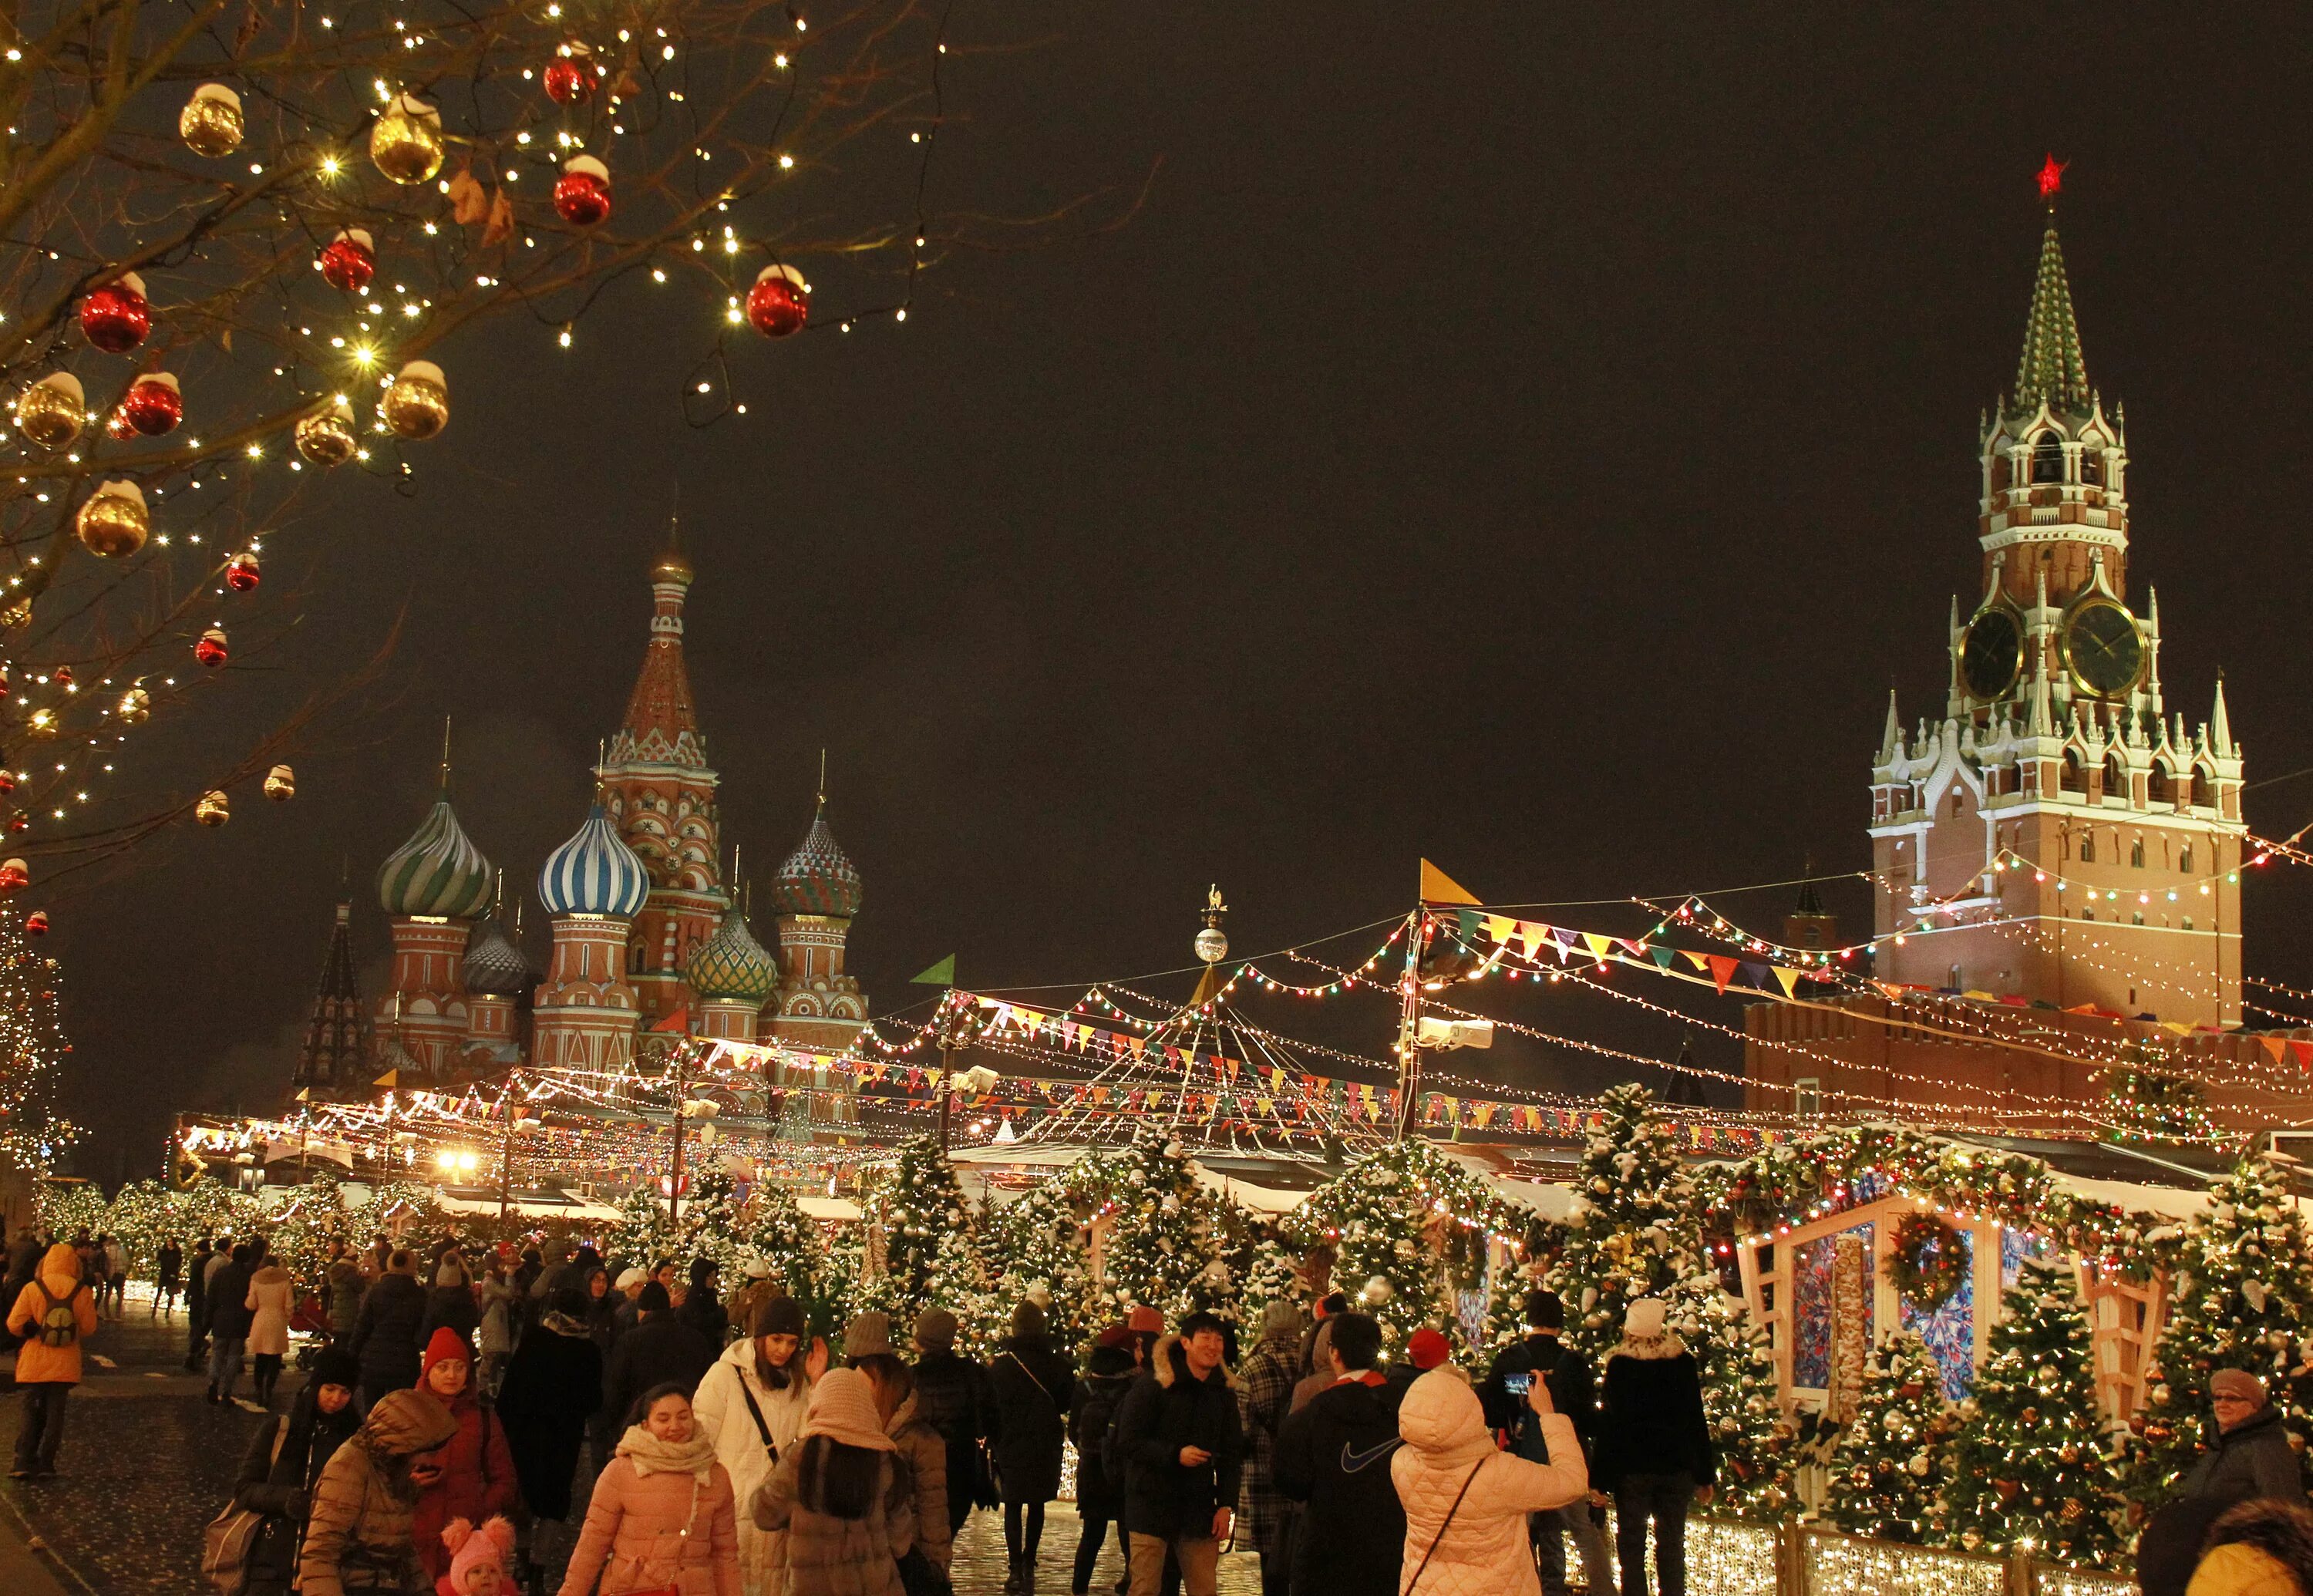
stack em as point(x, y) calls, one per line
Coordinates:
point(53, 1315)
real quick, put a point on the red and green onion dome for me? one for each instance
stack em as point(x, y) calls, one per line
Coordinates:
point(732, 965)
point(438, 872)
point(817, 878)
point(494, 966)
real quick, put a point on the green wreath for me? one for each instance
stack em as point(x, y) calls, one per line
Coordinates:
point(1927, 1260)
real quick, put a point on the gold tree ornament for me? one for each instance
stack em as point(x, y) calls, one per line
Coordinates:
point(327, 437)
point(114, 523)
point(418, 405)
point(52, 411)
point(281, 784)
point(136, 706)
point(406, 141)
point(40, 725)
point(210, 124)
point(212, 809)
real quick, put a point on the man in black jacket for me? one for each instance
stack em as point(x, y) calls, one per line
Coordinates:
point(660, 1350)
point(386, 1331)
point(1333, 1454)
point(1574, 1392)
point(1183, 1447)
point(229, 1320)
point(952, 1398)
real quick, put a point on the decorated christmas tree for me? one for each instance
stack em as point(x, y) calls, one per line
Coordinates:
point(1036, 1242)
point(1410, 1227)
point(2241, 1297)
point(1888, 1473)
point(2146, 1106)
point(2030, 1463)
point(1167, 1234)
point(783, 1237)
point(645, 1233)
point(1758, 1461)
point(713, 1224)
point(1272, 1269)
point(918, 1208)
point(1635, 1231)
point(32, 1050)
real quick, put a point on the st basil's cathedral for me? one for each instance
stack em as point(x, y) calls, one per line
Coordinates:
point(648, 935)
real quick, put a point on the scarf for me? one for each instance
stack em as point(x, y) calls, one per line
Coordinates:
point(650, 1455)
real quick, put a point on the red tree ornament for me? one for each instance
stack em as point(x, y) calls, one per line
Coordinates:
point(153, 405)
point(779, 303)
point(116, 317)
point(7, 781)
point(36, 923)
point(571, 77)
point(62, 676)
point(582, 194)
point(241, 573)
point(348, 261)
point(211, 648)
point(15, 875)
point(2052, 176)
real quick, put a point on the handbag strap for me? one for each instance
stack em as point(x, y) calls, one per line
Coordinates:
point(762, 1428)
point(1031, 1373)
point(1448, 1524)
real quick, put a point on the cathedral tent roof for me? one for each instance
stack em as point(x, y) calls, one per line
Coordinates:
point(2051, 367)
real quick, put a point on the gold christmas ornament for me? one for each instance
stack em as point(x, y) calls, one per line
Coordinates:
point(326, 437)
point(212, 809)
point(210, 124)
point(136, 706)
point(40, 724)
point(52, 411)
point(281, 784)
point(17, 616)
point(418, 405)
point(406, 140)
point(113, 523)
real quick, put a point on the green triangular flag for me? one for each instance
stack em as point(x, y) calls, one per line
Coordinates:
point(942, 973)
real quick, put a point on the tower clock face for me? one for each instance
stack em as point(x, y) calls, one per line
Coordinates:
point(2101, 648)
point(1992, 655)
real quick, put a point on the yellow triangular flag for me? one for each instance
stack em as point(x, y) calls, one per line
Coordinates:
point(1438, 887)
point(1785, 977)
point(390, 1077)
point(1598, 942)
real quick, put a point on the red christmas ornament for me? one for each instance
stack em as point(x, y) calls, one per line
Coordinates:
point(62, 676)
point(779, 303)
point(211, 650)
point(7, 781)
point(116, 317)
point(582, 194)
point(153, 405)
point(2052, 176)
point(570, 78)
point(348, 261)
point(241, 573)
point(19, 821)
point(118, 428)
point(36, 923)
point(14, 873)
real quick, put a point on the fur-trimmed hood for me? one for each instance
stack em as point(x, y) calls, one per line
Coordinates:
point(1649, 1349)
point(2245, 1542)
point(1169, 1360)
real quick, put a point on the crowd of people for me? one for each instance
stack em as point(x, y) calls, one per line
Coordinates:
point(457, 1409)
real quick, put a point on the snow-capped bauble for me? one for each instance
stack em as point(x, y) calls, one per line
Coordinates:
point(1377, 1289)
point(153, 405)
point(779, 303)
point(571, 77)
point(116, 317)
point(36, 923)
point(211, 650)
point(406, 140)
point(2253, 1293)
point(212, 809)
point(418, 405)
point(210, 123)
point(14, 875)
point(326, 437)
point(1917, 1465)
point(52, 411)
point(280, 784)
point(136, 706)
point(582, 194)
point(348, 261)
point(242, 573)
point(113, 523)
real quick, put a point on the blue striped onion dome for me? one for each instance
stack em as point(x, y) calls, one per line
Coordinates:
point(438, 871)
point(594, 873)
point(816, 879)
point(730, 964)
point(495, 966)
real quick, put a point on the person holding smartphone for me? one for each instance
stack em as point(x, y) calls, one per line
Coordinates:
point(1573, 1392)
point(357, 1528)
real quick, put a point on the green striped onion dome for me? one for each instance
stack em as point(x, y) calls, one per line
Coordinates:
point(438, 871)
point(730, 964)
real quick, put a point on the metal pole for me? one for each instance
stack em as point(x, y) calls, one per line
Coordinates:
point(674, 1182)
point(505, 1161)
point(1409, 1025)
point(947, 1093)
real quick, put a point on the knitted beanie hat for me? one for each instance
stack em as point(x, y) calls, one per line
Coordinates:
point(935, 1331)
point(781, 1316)
point(1645, 1319)
point(446, 1346)
point(843, 1409)
point(472, 1549)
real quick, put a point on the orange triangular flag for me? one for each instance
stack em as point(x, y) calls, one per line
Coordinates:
point(2277, 1046)
point(1438, 887)
point(1722, 969)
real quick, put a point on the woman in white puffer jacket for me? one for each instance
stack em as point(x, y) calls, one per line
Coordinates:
point(1448, 1454)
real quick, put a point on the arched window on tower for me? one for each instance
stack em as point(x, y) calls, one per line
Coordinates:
point(2000, 473)
point(2185, 859)
point(2088, 848)
point(2092, 466)
point(2048, 459)
point(2136, 853)
point(2075, 777)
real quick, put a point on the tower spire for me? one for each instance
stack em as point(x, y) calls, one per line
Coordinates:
point(2051, 367)
point(445, 755)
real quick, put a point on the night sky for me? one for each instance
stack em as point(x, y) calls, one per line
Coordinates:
point(1535, 439)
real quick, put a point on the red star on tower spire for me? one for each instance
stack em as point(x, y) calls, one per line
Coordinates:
point(2052, 179)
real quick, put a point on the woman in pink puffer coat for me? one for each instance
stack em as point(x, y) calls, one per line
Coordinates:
point(1449, 1453)
point(661, 1516)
